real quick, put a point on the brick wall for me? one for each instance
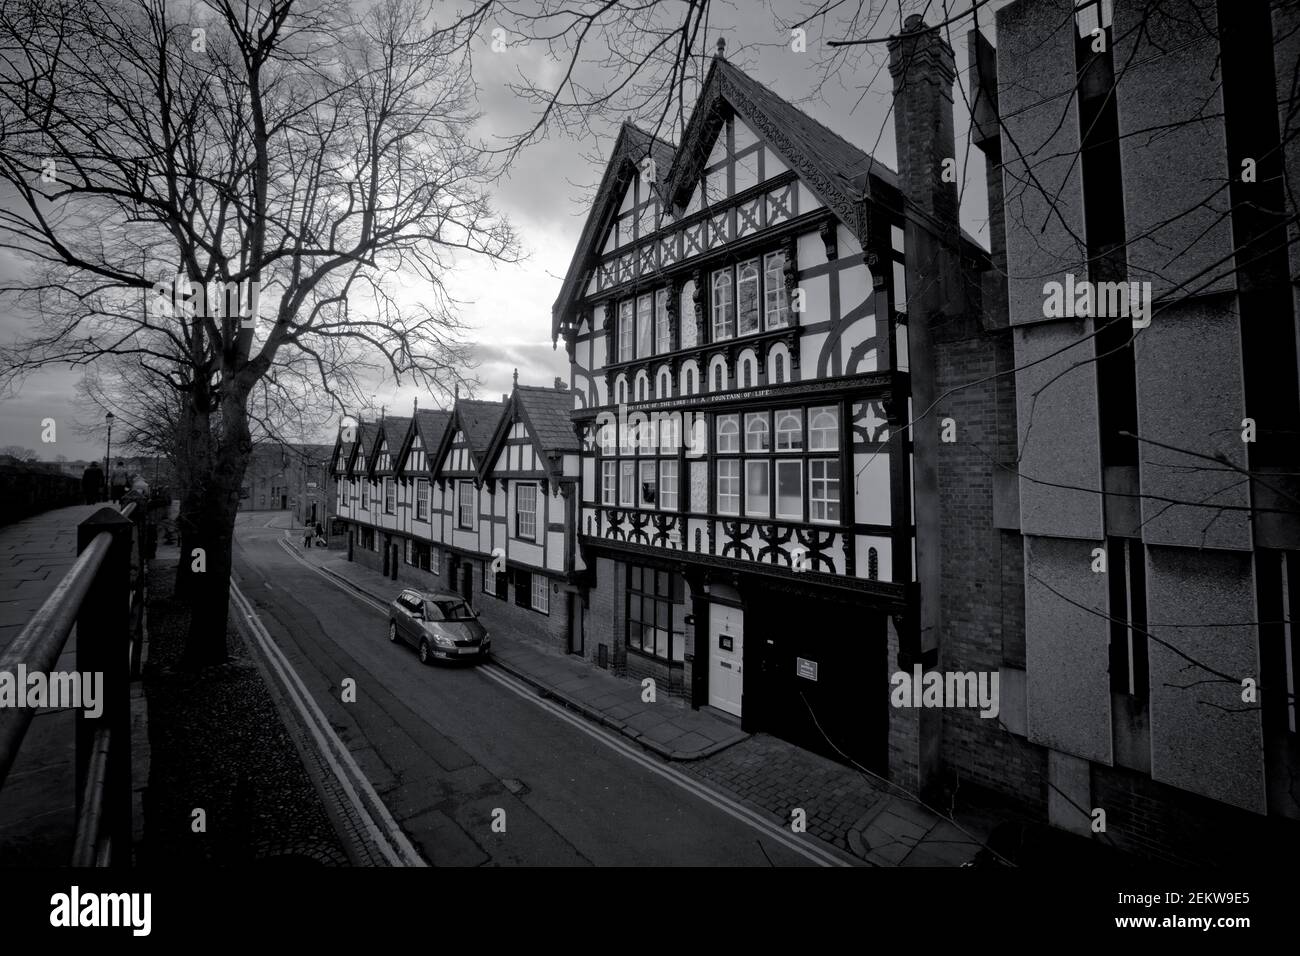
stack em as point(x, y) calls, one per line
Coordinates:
point(982, 612)
point(1162, 823)
point(551, 630)
point(606, 614)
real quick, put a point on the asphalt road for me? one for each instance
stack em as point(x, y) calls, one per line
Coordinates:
point(448, 748)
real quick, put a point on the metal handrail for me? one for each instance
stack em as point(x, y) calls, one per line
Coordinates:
point(37, 649)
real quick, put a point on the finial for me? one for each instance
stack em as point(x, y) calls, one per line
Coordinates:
point(516, 378)
point(722, 47)
point(458, 391)
point(415, 405)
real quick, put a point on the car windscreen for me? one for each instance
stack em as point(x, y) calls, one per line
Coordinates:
point(449, 611)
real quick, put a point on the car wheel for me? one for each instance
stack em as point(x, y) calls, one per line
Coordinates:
point(424, 652)
point(392, 631)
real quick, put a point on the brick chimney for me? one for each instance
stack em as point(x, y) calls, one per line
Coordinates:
point(923, 67)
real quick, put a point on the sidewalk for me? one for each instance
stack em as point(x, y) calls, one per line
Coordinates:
point(857, 813)
point(38, 803)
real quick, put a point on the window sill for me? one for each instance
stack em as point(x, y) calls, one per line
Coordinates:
point(653, 657)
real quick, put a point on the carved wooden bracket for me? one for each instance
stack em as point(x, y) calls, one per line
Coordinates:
point(674, 319)
point(829, 239)
point(697, 301)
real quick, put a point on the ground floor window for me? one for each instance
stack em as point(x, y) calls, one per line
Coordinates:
point(420, 555)
point(651, 595)
point(541, 593)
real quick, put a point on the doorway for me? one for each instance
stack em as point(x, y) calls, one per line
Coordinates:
point(577, 614)
point(467, 582)
point(726, 657)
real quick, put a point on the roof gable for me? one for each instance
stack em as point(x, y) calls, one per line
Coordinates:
point(631, 148)
point(428, 425)
point(545, 415)
point(477, 421)
point(838, 173)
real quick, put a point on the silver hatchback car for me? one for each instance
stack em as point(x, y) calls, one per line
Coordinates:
point(439, 624)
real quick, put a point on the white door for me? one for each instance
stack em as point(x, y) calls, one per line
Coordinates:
point(726, 644)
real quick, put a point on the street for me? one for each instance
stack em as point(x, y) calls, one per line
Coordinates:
point(447, 749)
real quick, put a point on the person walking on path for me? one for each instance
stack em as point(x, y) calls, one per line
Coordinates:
point(118, 481)
point(320, 535)
point(92, 483)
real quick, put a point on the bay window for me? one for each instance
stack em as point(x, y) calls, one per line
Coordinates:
point(724, 314)
point(776, 304)
point(789, 489)
point(626, 340)
point(757, 492)
point(756, 432)
point(668, 484)
point(643, 325)
point(824, 490)
point(747, 297)
point(609, 482)
point(649, 486)
point(728, 438)
point(823, 428)
point(663, 331)
point(626, 478)
point(728, 486)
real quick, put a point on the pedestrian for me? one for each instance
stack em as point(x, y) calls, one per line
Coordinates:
point(92, 483)
point(320, 536)
point(118, 480)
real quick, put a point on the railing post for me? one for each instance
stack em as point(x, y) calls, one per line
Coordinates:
point(103, 647)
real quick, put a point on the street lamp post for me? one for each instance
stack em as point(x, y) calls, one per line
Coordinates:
point(108, 454)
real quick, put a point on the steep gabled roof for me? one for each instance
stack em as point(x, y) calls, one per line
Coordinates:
point(392, 430)
point(365, 441)
point(477, 420)
point(832, 167)
point(630, 147)
point(545, 413)
point(429, 424)
point(840, 174)
point(342, 450)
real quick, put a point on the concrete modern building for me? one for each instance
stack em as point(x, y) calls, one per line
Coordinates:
point(1142, 161)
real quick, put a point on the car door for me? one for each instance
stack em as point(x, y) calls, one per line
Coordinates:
point(407, 623)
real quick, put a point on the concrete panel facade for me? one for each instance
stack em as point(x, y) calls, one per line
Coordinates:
point(1173, 147)
point(1190, 397)
point(1067, 637)
point(1204, 738)
point(1056, 399)
point(1041, 177)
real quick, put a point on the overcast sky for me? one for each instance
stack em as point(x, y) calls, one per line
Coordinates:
point(509, 307)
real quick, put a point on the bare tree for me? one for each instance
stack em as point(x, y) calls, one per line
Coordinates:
point(234, 184)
